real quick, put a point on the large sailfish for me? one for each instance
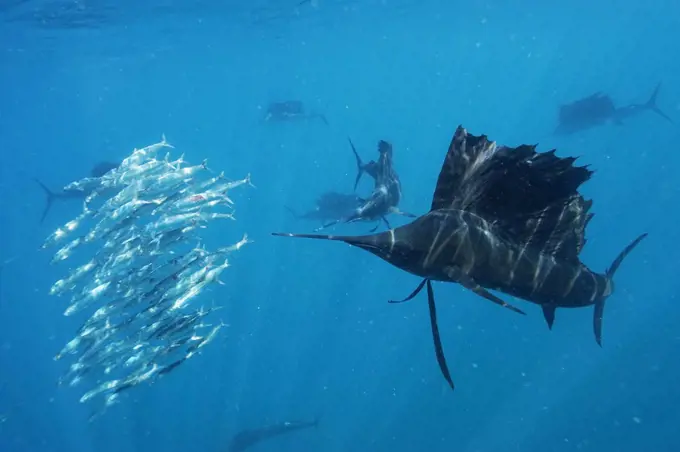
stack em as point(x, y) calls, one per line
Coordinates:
point(504, 219)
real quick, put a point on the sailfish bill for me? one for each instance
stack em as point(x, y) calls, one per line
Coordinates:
point(502, 219)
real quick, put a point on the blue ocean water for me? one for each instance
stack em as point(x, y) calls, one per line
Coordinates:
point(309, 331)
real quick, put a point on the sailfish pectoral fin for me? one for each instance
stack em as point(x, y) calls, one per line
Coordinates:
point(438, 349)
point(387, 223)
point(471, 285)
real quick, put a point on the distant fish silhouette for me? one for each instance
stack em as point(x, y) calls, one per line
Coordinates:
point(504, 219)
point(331, 206)
point(599, 109)
point(98, 170)
point(247, 438)
point(290, 110)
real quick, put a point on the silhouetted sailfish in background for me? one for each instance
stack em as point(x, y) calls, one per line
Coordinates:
point(330, 206)
point(386, 193)
point(247, 438)
point(505, 219)
point(98, 170)
point(599, 109)
point(290, 110)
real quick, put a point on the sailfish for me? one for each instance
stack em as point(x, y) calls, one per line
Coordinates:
point(386, 193)
point(504, 219)
point(599, 109)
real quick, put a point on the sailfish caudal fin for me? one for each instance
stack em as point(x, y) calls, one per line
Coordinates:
point(360, 164)
point(599, 304)
point(50, 195)
point(651, 104)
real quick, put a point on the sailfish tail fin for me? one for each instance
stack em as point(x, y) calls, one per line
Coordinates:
point(651, 104)
point(50, 197)
point(599, 304)
point(360, 164)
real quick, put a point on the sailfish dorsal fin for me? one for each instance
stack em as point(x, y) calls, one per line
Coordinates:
point(530, 197)
point(465, 157)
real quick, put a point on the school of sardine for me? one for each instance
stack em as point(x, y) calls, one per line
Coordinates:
point(146, 268)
